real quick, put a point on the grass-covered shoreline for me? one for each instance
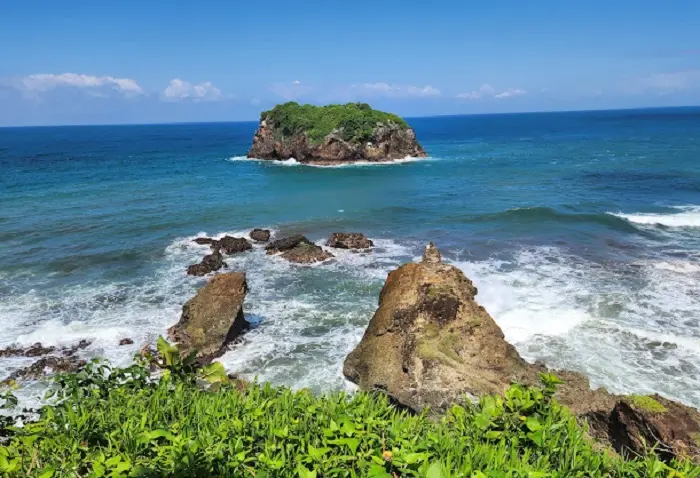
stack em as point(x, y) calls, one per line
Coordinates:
point(354, 121)
point(194, 422)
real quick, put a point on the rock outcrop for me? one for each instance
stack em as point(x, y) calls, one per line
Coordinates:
point(213, 318)
point(260, 235)
point(430, 344)
point(298, 249)
point(231, 245)
point(333, 134)
point(53, 360)
point(210, 263)
point(349, 240)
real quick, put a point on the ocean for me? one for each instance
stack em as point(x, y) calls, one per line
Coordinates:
point(581, 231)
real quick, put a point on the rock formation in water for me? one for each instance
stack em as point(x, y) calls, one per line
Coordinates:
point(349, 240)
point(213, 318)
point(260, 235)
point(298, 249)
point(53, 360)
point(430, 344)
point(333, 134)
point(210, 263)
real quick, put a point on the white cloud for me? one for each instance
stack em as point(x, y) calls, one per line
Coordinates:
point(663, 83)
point(397, 91)
point(46, 82)
point(181, 90)
point(488, 91)
point(291, 91)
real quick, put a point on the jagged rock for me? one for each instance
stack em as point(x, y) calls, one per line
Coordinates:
point(37, 350)
point(306, 253)
point(213, 318)
point(430, 344)
point(349, 240)
point(286, 244)
point(390, 139)
point(204, 240)
point(126, 341)
point(260, 235)
point(210, 263)
point(232, 245)
point(46, 366)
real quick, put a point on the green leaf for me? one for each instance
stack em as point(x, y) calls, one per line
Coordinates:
point(533, 424)
point(214, 373)
point(305, 473)
point(378, 471)
point(435, 471)
point(47, 473)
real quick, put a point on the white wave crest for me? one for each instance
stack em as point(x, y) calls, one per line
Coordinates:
point(294, 162)
point(688, 217)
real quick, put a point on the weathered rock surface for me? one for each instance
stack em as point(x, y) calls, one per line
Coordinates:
point(126, 341)
point(286, 244)
point(232, 245)
point(349, 240)
point(306, 254)
point(260, 235)
point(430, 344)
point(213, 318)
point(204, 240)
point(389, 142)
point(67, 361)
point(38, 349)
point(210, 263)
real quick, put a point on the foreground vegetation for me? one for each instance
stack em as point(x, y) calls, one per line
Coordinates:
point(354, 121)
point(196, 423)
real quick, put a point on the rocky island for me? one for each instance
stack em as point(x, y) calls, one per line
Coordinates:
point(333, 134)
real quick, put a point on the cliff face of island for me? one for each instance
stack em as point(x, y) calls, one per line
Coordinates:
point(333, 134)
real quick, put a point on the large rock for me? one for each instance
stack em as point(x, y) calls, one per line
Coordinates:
point(430, 344)
point(349, 240)
point(306, 254)
point(213, 318)
point(388, 141)
point(232, 245)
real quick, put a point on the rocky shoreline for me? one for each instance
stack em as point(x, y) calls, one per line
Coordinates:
point(429, 345)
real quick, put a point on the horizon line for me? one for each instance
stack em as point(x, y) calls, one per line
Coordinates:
point(72, 125)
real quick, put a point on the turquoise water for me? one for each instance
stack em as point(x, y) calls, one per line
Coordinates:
point(581, 231)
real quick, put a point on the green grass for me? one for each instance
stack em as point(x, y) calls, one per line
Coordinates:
point(355, 121)
point(645, 402)
point(122, 423)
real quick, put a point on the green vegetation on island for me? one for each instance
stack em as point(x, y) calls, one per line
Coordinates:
point(354, 121)
point(194, 422)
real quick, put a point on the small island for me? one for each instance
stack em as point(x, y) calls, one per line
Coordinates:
point(333, 134)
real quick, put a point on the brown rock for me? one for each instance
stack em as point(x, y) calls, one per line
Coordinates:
point(286, 244)
point(204, 240)
point(260, 235)
point(213, 318)
point(430, 344)
point(46, 366)
point(232, 245)
point(210, 263)
point(349, 240)
point(126, 341)
point(306, 254)
point(389, 142)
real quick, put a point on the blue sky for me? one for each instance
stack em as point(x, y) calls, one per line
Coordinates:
point(70, 61)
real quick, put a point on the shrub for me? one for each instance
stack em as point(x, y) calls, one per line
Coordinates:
point(123, 423)
point(354, 121)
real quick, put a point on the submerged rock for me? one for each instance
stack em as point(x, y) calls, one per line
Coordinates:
point(47, 366)
point(210, 263)
point(204, 240)
point(213, 318)
point(260, 235)
point(349, 240)
point(232, 245)
point(360, 134)
point(430, 344)
point(126, 341)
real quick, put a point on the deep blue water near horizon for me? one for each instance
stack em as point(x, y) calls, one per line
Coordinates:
point(581, 231)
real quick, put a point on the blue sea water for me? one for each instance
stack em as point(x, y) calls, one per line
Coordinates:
point(581, 231)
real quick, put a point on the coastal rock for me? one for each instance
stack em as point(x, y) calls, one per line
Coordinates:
point(210, 263)
point(204, 241)
point(430, 344)
point(387, 137)
point(46, 366)
point(232, 245)
point(305, 253)
point(213, 318)
point(349, 240)
point(126, 341)
point(38, 349)
point(286, 244)
point(260, 235)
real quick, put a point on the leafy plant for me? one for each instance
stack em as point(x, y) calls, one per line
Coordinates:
point(124, 423)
